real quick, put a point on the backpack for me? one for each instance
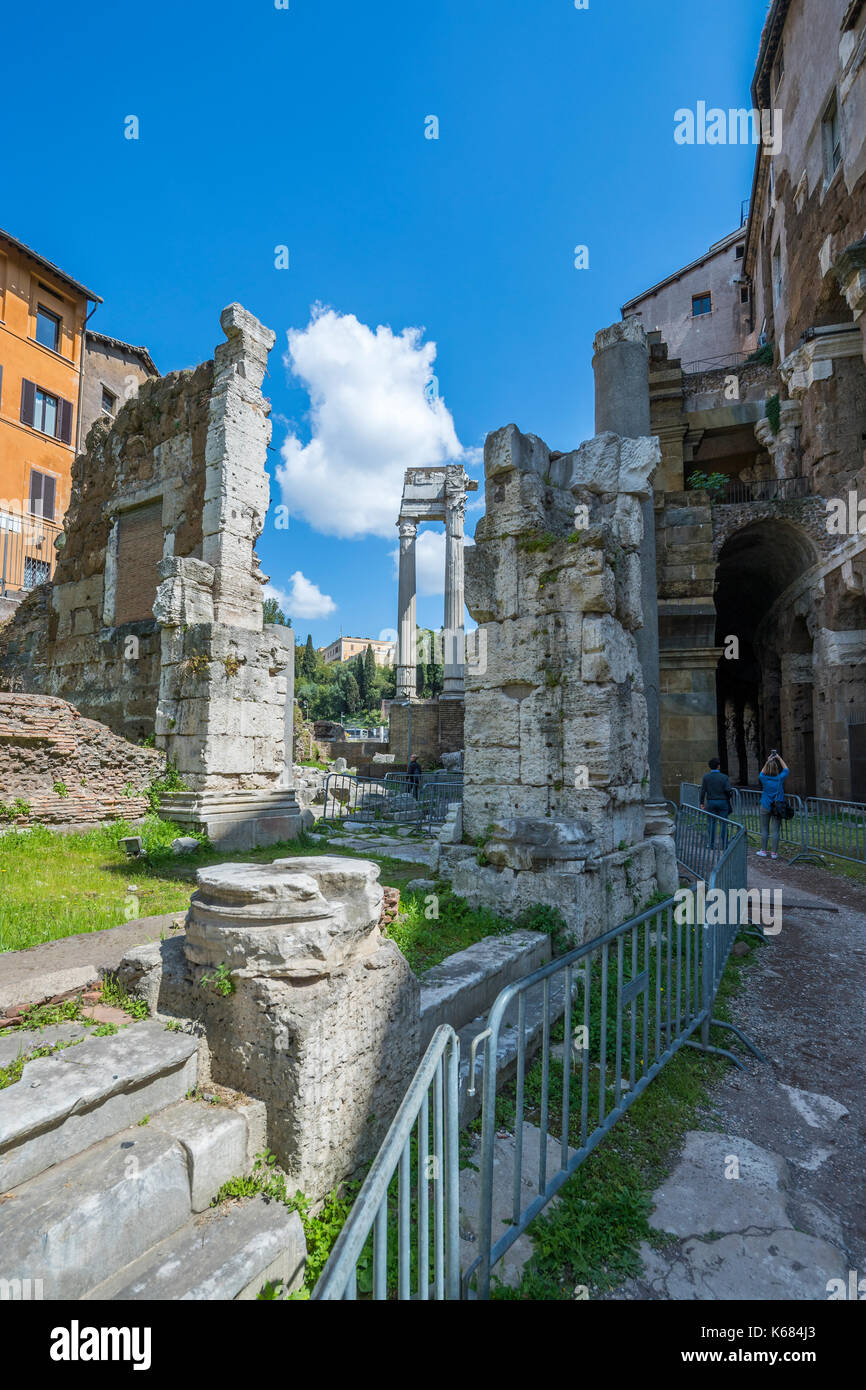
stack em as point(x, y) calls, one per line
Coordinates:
point(782, 809)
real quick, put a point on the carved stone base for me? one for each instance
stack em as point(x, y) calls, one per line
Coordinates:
point(238, 819)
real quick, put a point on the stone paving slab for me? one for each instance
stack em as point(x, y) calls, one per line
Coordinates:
point(73, 962)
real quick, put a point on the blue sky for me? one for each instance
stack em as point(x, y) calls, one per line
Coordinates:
point(305, 128)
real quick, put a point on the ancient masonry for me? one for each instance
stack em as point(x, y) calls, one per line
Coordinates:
point(556, 762)
point(431, 494)
point(66, 768)
point(323, 1020)
point(154, 623)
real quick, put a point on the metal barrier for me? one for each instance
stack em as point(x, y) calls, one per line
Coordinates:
point(27, 553)
point(700, 839)
point(396, 799)
point(416, 1168)
point(628, 1001)
point(836, 827)
point(820, 825)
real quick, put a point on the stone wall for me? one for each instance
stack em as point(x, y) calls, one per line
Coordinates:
point(555, 767)
point(64, 639)
point(46, 743)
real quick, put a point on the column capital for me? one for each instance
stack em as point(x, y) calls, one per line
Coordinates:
point(407, 529)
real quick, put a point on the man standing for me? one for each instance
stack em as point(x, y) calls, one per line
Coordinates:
point(414, 775)
point(717, 796)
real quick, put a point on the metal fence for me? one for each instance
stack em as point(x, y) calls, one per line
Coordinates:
point(27, 553)
point(820, 824)
point(415, 1173)
point(591, 1031)
point(395, 799)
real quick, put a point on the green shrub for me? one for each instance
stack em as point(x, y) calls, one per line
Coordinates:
point(774, 413)
point(714, 483)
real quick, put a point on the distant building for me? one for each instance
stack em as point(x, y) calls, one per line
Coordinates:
point(113, 372)
point(757, 378)
point(345, 648)
point(703, 311)
point(43, 313)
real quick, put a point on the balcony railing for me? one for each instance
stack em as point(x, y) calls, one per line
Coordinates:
point(765, 490)
point(715, 364)
point(27, 552)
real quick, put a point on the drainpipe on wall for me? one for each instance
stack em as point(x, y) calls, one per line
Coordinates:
point(78, 439)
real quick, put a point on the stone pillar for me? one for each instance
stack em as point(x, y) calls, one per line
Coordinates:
point(322, 1023)
point(454, 603)
point(406, 625)
point(622, 406)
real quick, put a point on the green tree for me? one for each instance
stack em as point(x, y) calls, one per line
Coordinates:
point(310, 662)
point(360, 674)
point(352, 694)
point(370, 673)
point(273, 613)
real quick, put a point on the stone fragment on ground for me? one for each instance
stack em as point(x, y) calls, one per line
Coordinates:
point(726, 1205)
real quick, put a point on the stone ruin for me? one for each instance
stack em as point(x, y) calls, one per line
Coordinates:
point(322, 1021)
point(154, 624)
point(558, 795)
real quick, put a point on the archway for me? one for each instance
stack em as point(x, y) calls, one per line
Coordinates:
point(755, 567)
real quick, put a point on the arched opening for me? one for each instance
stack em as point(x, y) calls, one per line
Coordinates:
point(755, 567)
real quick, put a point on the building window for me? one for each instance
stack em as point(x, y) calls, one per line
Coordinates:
point(47, 328)
point(45, 412)
point(744, 295)
point(740, 251)
point(42, 491)
point(832, 134)
point(777, 273)
point(701, 304)
point(109, 402)
point(35, 571)
point(779, 69)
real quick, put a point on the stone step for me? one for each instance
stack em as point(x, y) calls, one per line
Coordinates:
point(467, 983)
point(228, 1253)
point(76, 1225)
point(64, 1104)
point(507, 1049)
point(91, 1216)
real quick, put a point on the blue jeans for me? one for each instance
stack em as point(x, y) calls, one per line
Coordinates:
point(717, 808)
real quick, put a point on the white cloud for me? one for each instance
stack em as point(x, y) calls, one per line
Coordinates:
point(371, 420)
point(303, 600)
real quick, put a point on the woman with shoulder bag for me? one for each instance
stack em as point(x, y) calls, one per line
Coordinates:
point(772, 778)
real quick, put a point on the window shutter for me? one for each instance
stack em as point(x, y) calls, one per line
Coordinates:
point(35, 493)
point(28, 402)
point(64, 422)
point(48, 487)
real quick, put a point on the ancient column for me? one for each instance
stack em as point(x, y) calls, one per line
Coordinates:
point(455, 517)
point(406, 651)
point(622, 406)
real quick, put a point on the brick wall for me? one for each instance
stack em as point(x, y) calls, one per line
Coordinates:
point(437, 728)
point(45, 741)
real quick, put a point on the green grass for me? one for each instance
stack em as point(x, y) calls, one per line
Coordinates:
point(54, 885)
point(426, 942)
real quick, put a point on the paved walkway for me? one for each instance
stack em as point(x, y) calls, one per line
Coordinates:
point(794, 1129)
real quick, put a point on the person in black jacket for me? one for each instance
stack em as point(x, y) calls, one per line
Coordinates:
point(414, 775)
point(716, 798)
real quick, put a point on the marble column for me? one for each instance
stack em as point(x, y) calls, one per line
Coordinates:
point(406, 628)
point(455, 518)
point(622, 405)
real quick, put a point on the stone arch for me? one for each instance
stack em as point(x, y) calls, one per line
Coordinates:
point(756, 564)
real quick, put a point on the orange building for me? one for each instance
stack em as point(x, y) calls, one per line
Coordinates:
point(43, 313)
